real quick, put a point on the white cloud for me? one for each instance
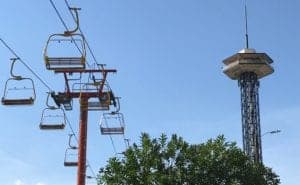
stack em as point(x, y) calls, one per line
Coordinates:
point(19, 182)
point(40, 183)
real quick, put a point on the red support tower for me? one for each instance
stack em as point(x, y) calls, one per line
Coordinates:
point(82, 141)
point(64, 98)
point(93, 89)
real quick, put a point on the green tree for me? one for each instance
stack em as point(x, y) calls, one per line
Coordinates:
point(175, 162)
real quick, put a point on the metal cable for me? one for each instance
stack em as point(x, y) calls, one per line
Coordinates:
point(64, 24)
point(111, 139)
point(59, 16)
point(93, 56)
point(66, 27)
point(26, 65)
point(88, 45)
point(43, 82)
point(89, 48)
point(126, 141)
point(73, 132)
point(113, 144)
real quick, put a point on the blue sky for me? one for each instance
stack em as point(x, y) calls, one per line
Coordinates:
point(169, 58)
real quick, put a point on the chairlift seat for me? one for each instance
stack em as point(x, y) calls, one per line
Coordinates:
point(49, 126)
point(115, 118)
point(55, 63)
point(65, 62)
point(97, 106)
point(100, 104)
point(21, 99)
point(28, 101)
point(53, 118)
point(112, 131)
point(70, 164)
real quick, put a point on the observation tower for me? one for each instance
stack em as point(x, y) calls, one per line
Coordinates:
point(248, 67)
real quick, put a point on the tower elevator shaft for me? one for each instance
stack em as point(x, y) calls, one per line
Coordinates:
point(249, 85)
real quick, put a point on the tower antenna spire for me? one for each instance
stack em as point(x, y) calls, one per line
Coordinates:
point(246, 25)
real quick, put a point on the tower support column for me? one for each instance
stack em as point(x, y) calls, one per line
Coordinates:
point(81, 171)
point(249, 86)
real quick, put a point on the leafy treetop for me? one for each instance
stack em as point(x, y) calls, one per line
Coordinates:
point(175, 162)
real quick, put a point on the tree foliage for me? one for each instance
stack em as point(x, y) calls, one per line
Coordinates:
point(175, 162)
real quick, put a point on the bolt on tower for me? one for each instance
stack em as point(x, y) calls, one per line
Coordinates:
point(248, 67)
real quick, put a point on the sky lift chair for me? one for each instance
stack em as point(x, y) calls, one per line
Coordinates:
point(94, 103)
point(67, 62)
point(71, 152)
point(100, 103)
point(9, 89)
point(53, 118)
point(106, 98)
point(103, 103)
point(114, 118)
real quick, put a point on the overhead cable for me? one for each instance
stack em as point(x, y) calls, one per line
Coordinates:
point(89, 48)
point(88, 45)
point(76, 138)
point(94, 58)
point(25, 64)
point(65, 25)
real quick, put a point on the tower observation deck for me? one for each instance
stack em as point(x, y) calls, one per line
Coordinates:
point(248, 67)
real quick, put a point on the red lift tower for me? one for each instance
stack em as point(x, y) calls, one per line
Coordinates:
point(95, 89)
point(89, 85)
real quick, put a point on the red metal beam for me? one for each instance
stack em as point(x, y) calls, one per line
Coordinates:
point(81, 171)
